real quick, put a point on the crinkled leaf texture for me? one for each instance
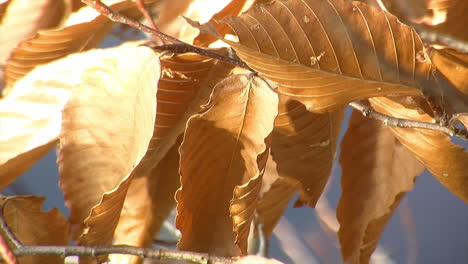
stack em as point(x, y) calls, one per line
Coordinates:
point(377, 172)
point(32, 226)
point(223, 156)
point(107, 126)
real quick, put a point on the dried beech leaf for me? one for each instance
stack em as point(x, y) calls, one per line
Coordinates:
point(23, 18)
point(453, 65)
point(304, 145)
point(444, 159)
point(32, 226)
point(148, 203)
point(234, 8)
point(82, 31)
point(328, 53)
point(377, 172)
point(275, 198)
point(107, 125)
point(187, 81)
point(224, 149)
point(32, 115)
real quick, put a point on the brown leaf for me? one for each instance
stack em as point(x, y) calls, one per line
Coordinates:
point(32, 226)
point(148, 203)
point(107, 125)
point(224, 150)
point(328, 53)
point(187, 81)
point(304, 145)
point(82, 31)
point(275, 198)
point(377, 172)
point(444, 159)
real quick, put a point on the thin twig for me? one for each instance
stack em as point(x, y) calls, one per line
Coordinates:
point(141, 6)
point(368, 111)
point(116, 17)
point(82, 251)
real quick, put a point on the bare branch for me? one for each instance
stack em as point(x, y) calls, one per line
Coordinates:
point(157, 254)
point(368, 111)
point(116, 17)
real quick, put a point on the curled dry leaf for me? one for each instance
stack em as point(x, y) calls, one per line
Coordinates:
point(187, 81)
point(304, 145)
point(444, 159)
point(32, 226)
point(328, 53)
point(107, 125)
point(16, 26)
point(82, 31)
point(223, 156)
point(377, 172)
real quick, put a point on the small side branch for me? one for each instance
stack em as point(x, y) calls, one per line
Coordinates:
point(368, 111)
point(116, 17)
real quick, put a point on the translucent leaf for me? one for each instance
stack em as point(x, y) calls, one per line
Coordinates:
point(377, 172)
point(222, 159)
point(107, 125)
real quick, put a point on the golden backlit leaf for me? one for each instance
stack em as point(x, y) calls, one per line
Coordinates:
point(107, 125)
point(32, 226)
point(82, 31)
point(223, 156)
point(275, 198)
point(377, 172)
point(445, 160)
point(328, 53)
point(304, 145)
point(22, 19)
point(453, 65)
point(148, 203)
point(31, 116)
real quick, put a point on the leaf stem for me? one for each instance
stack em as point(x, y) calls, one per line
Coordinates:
point(116, 17)
point(369, 112)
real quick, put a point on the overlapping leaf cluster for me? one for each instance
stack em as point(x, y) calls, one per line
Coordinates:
point(139, 132)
